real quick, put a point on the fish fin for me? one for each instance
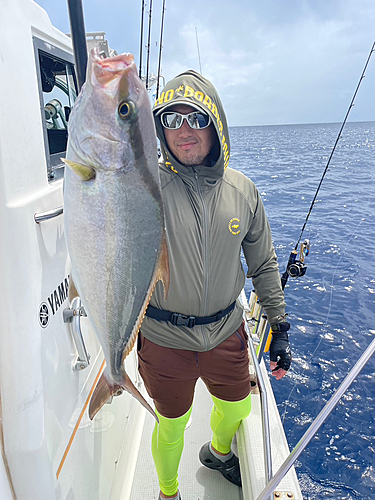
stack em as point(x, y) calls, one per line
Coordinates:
point(130, 387)
point(163, 266)
point(83, 171)
point(72, 290)
point(104, 391)
point(161, 273)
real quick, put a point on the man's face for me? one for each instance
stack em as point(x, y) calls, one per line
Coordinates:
point(190, 146)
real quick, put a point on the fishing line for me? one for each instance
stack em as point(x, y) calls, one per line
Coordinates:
point(354, 234)
point(294, 266)
point(292, 258)
point(336, 142)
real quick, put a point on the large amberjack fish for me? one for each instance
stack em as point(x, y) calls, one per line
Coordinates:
point(113, 212)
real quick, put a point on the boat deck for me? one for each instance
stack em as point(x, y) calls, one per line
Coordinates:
point(196, 481)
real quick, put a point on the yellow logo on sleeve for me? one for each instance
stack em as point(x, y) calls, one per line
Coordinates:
point(234, 226)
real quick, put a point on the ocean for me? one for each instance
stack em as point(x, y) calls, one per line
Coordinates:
point(332, 307)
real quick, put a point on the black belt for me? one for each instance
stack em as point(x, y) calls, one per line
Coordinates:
point(181, 320)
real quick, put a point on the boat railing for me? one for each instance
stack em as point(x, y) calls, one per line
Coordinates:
point(253, 314)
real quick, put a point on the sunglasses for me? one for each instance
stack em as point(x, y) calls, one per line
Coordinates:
point(195, 120)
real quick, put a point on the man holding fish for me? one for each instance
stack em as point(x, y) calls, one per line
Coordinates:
point(125, 248)
point(211, 213)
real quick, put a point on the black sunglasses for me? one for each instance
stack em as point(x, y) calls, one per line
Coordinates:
point(195, 120)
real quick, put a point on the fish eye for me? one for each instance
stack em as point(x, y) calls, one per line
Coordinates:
point(125, 109)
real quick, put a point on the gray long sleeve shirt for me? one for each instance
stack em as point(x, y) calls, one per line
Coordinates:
point(210, 213)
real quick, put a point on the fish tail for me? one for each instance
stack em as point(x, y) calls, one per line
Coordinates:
point(129, 386)
point(104, 391)
point(72, 290)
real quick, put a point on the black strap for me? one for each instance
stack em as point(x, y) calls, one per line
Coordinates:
point(181, 320)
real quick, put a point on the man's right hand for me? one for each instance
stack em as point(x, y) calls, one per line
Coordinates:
point(280, 352)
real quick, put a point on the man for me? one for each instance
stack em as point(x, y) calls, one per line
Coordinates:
point(211, 212)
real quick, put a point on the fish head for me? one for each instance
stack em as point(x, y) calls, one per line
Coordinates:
point(111, 125)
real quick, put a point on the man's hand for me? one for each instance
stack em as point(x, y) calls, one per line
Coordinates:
point(280, 353)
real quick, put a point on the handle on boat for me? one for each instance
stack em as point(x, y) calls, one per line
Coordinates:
point(73, 316)
point(48, 215)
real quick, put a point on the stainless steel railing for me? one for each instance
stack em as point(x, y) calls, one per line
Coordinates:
point(317, 423)
point(249, 309)
point(262, 329)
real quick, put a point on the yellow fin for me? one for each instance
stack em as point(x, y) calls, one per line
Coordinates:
point(161, 273)
point(163, 266)
point(103, 391)
point(72, 290)
point(83, 171)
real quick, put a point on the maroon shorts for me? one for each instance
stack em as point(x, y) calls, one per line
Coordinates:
point(170, 375)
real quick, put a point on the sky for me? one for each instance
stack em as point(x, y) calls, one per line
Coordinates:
point(273, 62)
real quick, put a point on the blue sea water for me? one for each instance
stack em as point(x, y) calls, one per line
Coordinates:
point(331, 308)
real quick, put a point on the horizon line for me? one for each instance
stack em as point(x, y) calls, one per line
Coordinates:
point(310, 123)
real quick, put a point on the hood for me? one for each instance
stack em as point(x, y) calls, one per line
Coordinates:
point(193, 89)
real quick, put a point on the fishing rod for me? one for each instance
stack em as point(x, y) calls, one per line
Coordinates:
point(297, 267)
point(160, 49)
point(141, 46)
point(148, 43)
point(77, 28)
point(199, 56)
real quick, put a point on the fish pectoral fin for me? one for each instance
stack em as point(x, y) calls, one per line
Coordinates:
point(83, 171)
point(163, 266)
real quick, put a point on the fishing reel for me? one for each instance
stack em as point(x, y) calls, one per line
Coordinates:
point(296, 267)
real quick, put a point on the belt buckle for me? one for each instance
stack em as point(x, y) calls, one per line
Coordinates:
point(182, 320)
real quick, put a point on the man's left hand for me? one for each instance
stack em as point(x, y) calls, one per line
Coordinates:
point(280, 353)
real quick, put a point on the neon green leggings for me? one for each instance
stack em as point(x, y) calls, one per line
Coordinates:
point(226, 417)
point(168, 438)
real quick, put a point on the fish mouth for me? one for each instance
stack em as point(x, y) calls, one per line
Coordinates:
point(106, 70)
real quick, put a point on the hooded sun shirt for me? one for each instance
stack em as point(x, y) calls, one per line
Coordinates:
point(211, 213)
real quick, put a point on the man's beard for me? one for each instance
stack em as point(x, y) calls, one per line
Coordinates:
point(195, 160)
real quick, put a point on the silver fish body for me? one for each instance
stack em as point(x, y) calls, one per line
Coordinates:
point(113, 212)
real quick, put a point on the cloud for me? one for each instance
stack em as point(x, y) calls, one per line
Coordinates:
point(299, 69)
point(296, 61)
